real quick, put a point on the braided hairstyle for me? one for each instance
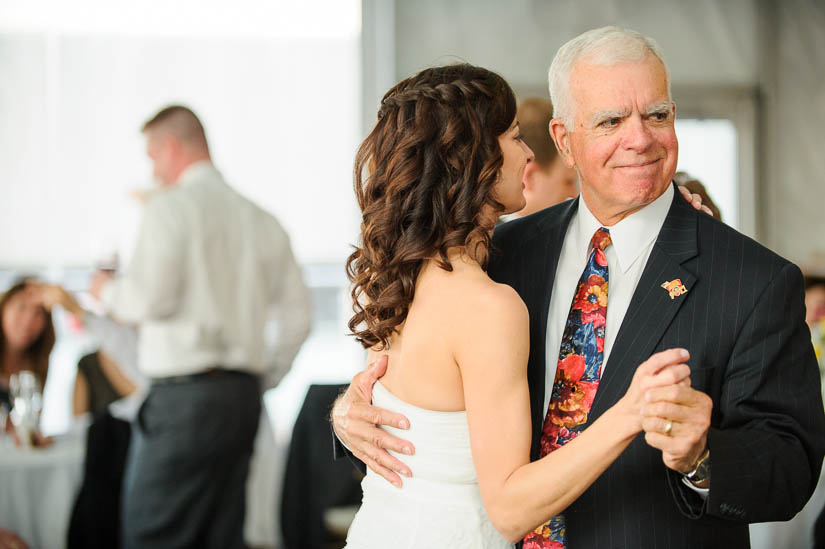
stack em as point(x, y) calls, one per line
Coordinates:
point(424, 179)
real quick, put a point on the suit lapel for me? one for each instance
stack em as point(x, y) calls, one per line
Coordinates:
point(651, 308)
point(541, 255)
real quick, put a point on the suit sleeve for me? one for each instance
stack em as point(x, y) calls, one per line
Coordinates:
point(339, 451)
point(767, 438)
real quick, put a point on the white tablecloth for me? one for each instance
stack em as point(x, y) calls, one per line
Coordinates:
point(38, 487)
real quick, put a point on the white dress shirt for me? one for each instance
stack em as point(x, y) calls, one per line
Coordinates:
point(633, 238)
point(212, 283)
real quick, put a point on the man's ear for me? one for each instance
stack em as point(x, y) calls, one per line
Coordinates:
point(561, 137)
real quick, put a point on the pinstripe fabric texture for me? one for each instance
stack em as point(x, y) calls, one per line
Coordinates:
point(743, 322)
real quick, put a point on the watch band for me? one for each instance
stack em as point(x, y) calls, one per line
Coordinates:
point(701, 471)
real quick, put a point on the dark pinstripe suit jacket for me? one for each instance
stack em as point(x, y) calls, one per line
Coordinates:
point(742, 320)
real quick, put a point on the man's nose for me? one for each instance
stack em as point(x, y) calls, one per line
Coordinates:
point(636, 135)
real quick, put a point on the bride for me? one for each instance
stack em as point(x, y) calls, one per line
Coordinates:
point(443, 161)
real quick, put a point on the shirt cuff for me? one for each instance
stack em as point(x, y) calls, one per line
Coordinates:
point(703, 492)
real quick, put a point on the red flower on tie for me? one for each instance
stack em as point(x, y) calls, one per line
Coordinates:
point(592, 295)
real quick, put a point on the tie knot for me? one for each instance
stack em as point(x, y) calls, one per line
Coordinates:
point(601, 239)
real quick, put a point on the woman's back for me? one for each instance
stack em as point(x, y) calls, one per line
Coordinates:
point(440, 505)
point(422, 367)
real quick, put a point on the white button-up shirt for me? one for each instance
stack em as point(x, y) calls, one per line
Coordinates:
point(212, 283)
point(633, 238)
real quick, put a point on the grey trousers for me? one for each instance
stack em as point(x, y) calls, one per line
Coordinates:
point(185, 480)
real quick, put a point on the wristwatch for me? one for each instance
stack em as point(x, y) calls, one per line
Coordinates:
point(700, 475)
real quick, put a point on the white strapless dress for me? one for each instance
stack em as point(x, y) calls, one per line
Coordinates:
point(440, 506)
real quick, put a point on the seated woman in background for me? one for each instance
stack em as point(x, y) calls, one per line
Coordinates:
point(98, 383)
point(26, 337)
point(100, 378)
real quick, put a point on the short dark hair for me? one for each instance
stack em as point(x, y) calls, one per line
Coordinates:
point(181, 121)
point(534, 115)
point(814, 280)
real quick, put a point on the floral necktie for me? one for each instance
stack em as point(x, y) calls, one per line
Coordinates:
point(577, 374)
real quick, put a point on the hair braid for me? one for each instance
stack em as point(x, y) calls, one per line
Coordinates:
point(423, 179)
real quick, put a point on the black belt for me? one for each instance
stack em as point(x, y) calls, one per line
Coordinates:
point(206, 374)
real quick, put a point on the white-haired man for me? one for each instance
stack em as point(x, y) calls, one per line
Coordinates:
point(752, 414)
point(211, 276)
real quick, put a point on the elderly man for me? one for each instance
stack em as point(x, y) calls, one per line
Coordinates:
point(210, 276)
point(744, 441)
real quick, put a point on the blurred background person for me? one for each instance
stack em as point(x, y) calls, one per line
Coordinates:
point(547, 180)
point(109, 394)
point(26, 341)
point(209, 270)
point(109, 374)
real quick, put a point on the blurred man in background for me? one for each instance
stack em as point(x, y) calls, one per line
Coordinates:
point(547, 180)
point(222, 311)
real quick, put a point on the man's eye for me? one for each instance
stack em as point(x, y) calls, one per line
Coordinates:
point(660, 116)
point(609, 123)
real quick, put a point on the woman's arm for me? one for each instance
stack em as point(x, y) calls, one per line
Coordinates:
point(80, 395)
point(492, 351)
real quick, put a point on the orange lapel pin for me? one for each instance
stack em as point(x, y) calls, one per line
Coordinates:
point(674, 288)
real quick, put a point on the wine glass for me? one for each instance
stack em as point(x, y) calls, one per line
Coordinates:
point(27, 401)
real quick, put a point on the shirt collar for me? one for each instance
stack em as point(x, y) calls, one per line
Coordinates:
point(196, 171)
point(631, 236)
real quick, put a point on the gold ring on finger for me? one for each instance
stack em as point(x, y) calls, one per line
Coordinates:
point(668, 428)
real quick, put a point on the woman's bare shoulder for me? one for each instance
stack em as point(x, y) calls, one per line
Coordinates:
point(485, 300)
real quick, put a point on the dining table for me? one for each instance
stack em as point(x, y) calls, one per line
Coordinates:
point(38, 486)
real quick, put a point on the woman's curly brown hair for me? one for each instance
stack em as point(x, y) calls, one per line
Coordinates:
point(424, 179)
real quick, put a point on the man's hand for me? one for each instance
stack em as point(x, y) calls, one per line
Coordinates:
point(99, 280)
point(694, 199)
point(676, 421)
point(356, 422)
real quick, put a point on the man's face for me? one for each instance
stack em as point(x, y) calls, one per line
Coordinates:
point(160, 150)
point(814, 304)
point(623, 143)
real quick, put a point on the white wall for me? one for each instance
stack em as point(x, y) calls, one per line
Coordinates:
point(774, 48)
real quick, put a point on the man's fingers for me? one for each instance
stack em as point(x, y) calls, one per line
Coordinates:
point(389, 475)
point(657, 424)
point(374, 445)
point(377, 368)
point(365, 380)
point(707, 210)
point(682, 395)
point(379, 438)
point(659, 441)
point(666, 410)
point(377, 416)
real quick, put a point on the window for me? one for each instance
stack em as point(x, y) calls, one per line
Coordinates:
point(278, 87)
